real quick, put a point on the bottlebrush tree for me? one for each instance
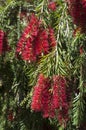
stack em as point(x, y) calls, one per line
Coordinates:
point(43, 65)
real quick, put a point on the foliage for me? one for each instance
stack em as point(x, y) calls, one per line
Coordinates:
point(18, 77)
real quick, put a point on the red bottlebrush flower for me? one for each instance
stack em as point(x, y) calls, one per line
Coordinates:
point(1, 40)
point(59, 92)
point(25, 45)
point(37, 103)
point(48, 101)
point(77, 9)
point(20, 45)
point(27, 52)
point(52, 39)
point(52, 6)
point(3, 43)
point(44, 41)
point(41, 100)
point(60, 97)
point(41, 44)
point(35, 41)
point(47, 110)
point(46, 97)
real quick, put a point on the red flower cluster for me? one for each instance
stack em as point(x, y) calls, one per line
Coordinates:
point(42, 96)
point(52, 6)
point(77, 9)
point(3, 43)
point(52, 39)
point(36, 100)
point(49, 96)
point(60, 98)
point(35, 40)
point(41, 44)
point(25, 46)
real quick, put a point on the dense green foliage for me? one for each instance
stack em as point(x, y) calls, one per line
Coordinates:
point(17, 77)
